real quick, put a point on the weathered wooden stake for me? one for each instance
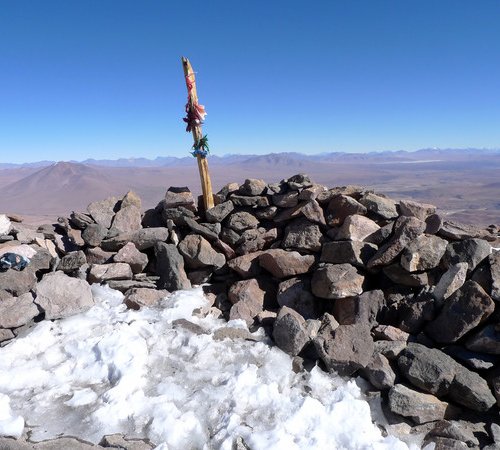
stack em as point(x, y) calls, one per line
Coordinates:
point(206, 184)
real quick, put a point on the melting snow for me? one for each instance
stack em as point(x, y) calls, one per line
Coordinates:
point(112, 370)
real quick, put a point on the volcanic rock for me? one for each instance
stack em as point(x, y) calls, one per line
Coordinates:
point(333, 281)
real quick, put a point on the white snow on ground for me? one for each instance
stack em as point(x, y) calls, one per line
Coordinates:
point(113, 370)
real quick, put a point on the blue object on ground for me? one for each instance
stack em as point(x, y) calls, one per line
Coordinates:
point(13, 261)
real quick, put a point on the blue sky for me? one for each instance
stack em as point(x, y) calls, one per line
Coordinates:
point(103, 78)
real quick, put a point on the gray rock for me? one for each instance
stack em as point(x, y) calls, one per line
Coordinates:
point(289, 331)
point(42, 260)
point(423, 253)
point(97, 255)
point(471, 251)
point(179, 196)
point(229, 188)
point(94, 234)
point(486, 340)
point(384, 207)
point(464, 310)
point(266, 213)
point(254, 187)
point(401, 276)
point(198, 253)
point(362, 308)
point(302, 235)
point(219, 212)
point(357, 228)
point(494, 260)
point(287, 200)
point(419, 210)
point(142, 239)
point(126, 285)
point(72, 261)
point(247, 298)
point(346, 348)
point(17, 311)
point(233, 334)
point(255, 202)
point(473, 360)
point(350, 252)
point(313, 212)
point(295, 293)
point(100, 273)
point(241, 221)
point(131, 256)
point(127, 219)
point(230, 236)
point(450, 281)
point(415, 311)
point(189, 326)
point(5, 335)
point(202, 230)
point(379, 372)
point(16, 282)
point(170, 268)
point(421, 408)
point(256, 239)
point(177, 215)
point(122, 443)
point(283, 264)
point(428, 369)
point(247, 266)
point(342, 206)
point(470, 390)
point(406, 229)
point(458, 431)
point(459, 231)
point(80, 220)
point(390, 333)
point(131, 199)
point(433, 224)
point(299, 181)
point(390, 349)
point(333, 281)
point(103, 211)
point(62, 296)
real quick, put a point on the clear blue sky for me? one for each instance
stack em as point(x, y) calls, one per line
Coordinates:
point(103, 78)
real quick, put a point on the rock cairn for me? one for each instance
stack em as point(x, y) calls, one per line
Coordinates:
point(343, 277)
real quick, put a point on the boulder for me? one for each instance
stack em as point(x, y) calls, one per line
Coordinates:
point(245, 200)
point(127, 219)
point(170, 268)
point(406, 229)
point(414, 209)
point(351, 252)
point(421, 408)
point(72, 261)
point(241, 221)
point(486, 340)
point(96, 255)
point(471, 251)
point(287, 200)
point(247, 266)
point(459, 231)
point(295, 293)
point(342, 206)
point(208, 231)
point(80, 220)
point(254, 187)
point(362, 308)
point(290, 332)
point(298, 182)
point(428, 369)
point(100, 273)
point(398, 275)
point(470, 390)
point(379, 372)
point(464, 310)
point(131, 256)
point(333, 281)
point(94, 234)
point(198, 253)
point(131, 199)
point(179, 196)
point(423, 253)
point(136, 298)
point(345, 349)
point(17, 311)
point(17, 282)
point(256, 239)
point(494, 260)
point(383, 207)
point(219, 212)
point(302, 235)
point(313, 212)
point(450, 281)
point(357, 228)
point(471, 359)
point(283, 264)
point(62, 296)
point(142, 239)
point(247, 298)
point(103, 211)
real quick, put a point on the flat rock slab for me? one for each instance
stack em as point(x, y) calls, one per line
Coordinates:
point(463, 311)
point(62, 296)
point(142, 239)
point(419, 407)
point(100, 273)
point(283, 264)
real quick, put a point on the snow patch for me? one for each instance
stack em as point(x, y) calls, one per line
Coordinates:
point(5, 224)
point(112, 370)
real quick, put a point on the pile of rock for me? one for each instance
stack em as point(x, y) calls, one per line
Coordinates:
point(344, 277)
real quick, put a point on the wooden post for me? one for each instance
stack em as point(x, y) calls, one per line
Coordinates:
point(206, 184)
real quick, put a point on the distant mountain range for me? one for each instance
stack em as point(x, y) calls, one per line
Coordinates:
point(279, 158)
